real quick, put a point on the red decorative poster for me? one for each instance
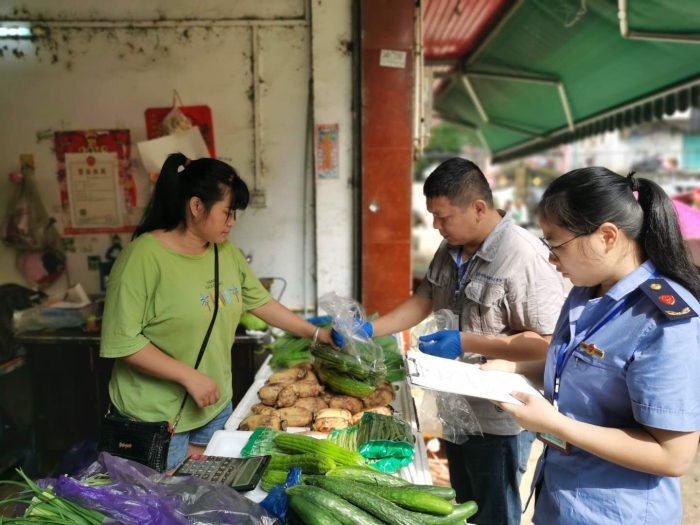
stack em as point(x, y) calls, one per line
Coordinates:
point(103, 144)
point(199, 116)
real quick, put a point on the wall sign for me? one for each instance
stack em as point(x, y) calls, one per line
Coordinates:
point(98, 191)
point(327, 151)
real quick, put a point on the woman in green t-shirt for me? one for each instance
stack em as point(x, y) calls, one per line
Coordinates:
point(160, 303)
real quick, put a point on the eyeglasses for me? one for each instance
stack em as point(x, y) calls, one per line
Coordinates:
point(552, 248)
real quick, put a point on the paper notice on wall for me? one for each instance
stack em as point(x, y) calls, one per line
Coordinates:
point(93, 189)
point(189, 142)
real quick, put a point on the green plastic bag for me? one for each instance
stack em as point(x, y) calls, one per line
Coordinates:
point(387, 456)
point(260, 444)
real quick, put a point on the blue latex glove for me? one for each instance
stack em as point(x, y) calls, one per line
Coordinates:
point(447, 344)
point(366, 327)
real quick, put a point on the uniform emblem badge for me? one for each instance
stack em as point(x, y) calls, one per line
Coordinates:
point(667, 299)
point(685, 311)
point(592, 350)
point(679, 309)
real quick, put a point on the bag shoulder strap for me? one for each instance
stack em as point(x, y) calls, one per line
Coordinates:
point(209, 330)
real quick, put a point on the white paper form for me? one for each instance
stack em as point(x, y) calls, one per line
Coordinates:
point(435, 373)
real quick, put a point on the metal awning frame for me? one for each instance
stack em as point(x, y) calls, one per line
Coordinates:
point(640, 35)
point(601, 116)
point(529, 79)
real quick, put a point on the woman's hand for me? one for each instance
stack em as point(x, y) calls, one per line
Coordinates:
point(498, 364)
point(201, 388)
point(536, 413)
point(325, 337)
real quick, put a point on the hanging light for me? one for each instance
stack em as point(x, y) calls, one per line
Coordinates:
point(15, 30)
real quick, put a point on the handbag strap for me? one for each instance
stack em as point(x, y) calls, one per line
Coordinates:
point(206, 337)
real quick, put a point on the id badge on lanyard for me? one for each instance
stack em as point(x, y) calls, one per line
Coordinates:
point(562, 359)
point(460, 276)
point(549, 439)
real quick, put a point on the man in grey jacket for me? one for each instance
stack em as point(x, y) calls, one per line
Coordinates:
point(496, 278)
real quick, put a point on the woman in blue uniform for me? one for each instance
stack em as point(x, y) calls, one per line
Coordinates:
point(622, 411)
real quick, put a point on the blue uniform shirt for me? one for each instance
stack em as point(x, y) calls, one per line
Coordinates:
point(647, 375)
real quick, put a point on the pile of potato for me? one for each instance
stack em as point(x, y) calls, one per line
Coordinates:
point(295, 398)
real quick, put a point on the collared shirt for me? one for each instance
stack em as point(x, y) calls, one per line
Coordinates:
point(508, 287)
point(646, 375)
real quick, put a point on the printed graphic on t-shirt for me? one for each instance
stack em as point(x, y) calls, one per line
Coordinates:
point(226, 296)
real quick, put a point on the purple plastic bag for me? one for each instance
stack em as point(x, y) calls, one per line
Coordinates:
point(139, 495)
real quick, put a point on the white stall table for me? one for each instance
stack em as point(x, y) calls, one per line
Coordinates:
point(230, 441)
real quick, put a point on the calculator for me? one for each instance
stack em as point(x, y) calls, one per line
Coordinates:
point(241, 474)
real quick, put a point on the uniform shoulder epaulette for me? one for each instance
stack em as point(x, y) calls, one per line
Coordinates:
point(667, 300)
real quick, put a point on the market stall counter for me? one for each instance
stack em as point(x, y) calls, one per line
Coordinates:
point(230, 441)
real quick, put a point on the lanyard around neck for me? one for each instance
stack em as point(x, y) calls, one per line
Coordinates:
point(563, 356)
point(459, 276)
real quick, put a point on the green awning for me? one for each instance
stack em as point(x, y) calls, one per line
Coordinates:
point(552, 54)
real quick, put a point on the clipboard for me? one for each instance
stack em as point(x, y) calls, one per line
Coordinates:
point(436, 373)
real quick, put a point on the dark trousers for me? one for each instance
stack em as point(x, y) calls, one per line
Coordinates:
point(488, 470)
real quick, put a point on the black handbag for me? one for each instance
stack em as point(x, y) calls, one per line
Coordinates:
point(141, 441)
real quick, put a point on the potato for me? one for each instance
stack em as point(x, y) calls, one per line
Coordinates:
point(326, 424)
point(262, 409)
point(304, 366)
point(290, 375)
point(329, 413)
point(268, 421)
point(379, 398)
point(311, 403)
point(288, 396)
point(352, 404)
point(269, 392)
point(308, 389)
point(387, 386)
point(310, 378)
point(296, 416)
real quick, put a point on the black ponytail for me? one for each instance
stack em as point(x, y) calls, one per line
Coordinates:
point(207, 179)
point(661, 238)
point(583, 199)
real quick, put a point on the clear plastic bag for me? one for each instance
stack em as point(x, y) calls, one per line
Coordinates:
point(142, 496)
point(453, 411)
point(40, 318)
point(348, 317)
point(29, 229)
point(435, 322)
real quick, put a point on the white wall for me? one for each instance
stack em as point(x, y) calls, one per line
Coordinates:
point(102, 80)
point(332, 72)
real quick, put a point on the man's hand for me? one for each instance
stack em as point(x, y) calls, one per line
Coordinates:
point(365, 328)
point(201, 388)
point(447, 344)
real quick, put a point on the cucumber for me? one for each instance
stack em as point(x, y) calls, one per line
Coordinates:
point(344, 383)
point(346, 513)
point(308, 463)
point(368, 476)
point(459, 515)
point(446, 493)
point(296, 444)
point(272, 477)
point(311, 514)
point(414, 500)
point(356, 494)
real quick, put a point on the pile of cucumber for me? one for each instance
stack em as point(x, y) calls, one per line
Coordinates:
point(354, 495)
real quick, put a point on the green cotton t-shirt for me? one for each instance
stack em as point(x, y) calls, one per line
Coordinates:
point(164, 297)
